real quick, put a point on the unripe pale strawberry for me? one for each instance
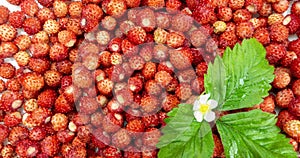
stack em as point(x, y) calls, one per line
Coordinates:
point(51, 26)
point(23, 42)
point(292, 128)
point(30, 105)
point(75, 9)
point(7, 49)
point(7, 32)
point(60, 9)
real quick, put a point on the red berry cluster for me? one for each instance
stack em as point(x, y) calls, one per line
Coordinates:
point(95, 78)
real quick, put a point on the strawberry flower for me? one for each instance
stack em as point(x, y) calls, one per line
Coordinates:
point(203, 108)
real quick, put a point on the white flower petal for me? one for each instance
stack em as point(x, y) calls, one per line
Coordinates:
point(196, 105)
point(203, 98)
point(210, 116)
point(212, 104)
point(199, 116)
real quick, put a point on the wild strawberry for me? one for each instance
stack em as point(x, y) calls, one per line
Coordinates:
point(87, 105)
point(46, 3)
point(295, 87)
point(266, 9)
point(162, 20)
point(292, 22)
point(37, 134)
point(284, 98)
point(32, 81)
point(295, 9)
point(292, 129)
point(160, 35)
point(2, 86)
point(244, 30)
point(151, 137)
point(45, 14)
point(135, 84)
point(228, 39)
point(275, 52)
point(12, 119)
point(135, 127)
point(112, 152)
point(253, 5)
point(128, 48)
point(7, 32)
point(294, 45)
point(279, 33)
point(262, 35)
point(295, 68)
point(39, 50)
point(275, 18)
point(103, 37)
point(75, 9)
point(121, 139)
point(52, 78)
point(92, 12)
point(16, 19)
point(181, 58)
point(67, 38)
point(175, 39)
point(105, 86)
point(236, 4)
point(11, 101)
point(7, 151)
point(288, 58)
point(82, 77)
point(198, 85)
point(14, 2)
point(47, 98)
point(58, 52)
point(294, 107)
point(23, 42)
point(16, 134)
point(29, 7)
point(32, 26)
point(112, 122)
point(74, 25)
point(114, 7)
point(268, 105)
point(204, 14)
point(109, 23)
point(27, 148)
point(38, 65)
point(183, 91)
point(149, 70)
point(29, 94)
point(163, 78)
point(219, 26)
point(280, 6)
point(136, 35)
point(4, 132)
point(59, 122)
point(60, 9)
point(100, 138)
point(169, 102)
point(30, 105)
point(224, 13)
point(51, 26)
point(76, 151)
point(241, 15)
point(181, 23)
point(148, 153)
point(136, 63)
point(155, 3)
point(50, 145)
point(7, 49)
point(282, 79)
point(7, 70)
point(153, 88)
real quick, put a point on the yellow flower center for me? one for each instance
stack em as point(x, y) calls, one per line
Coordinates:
point(203, 108)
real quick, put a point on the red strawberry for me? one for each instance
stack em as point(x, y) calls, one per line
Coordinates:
point(282, 78)
point(153, 88)
point(266, 9)
point(228, 39)
point(268, 105)
point(37, 134)
point(105, 86)
point(92, 12)
point(135, 127)
point(183, 91)
point(135, 84)
point(163, 78)
point(169, 102)
point(61, 105)
point(45, 14)
point(14, 2)
point(121, 139)
point(12, 119)
point(16, 19)
point(236, 4)
point(87, 105)
point(136, 63)
point(262, 35)
point(46, 3)
point(47, 98)
point(136, 35)
point(112, 122)
point(16, 134)
point(27, 148)
point(275, 52)
point(279, 33)
point(39, 65)
point(32, 81)
point(181, 23)
point(128, 48)
point(295, 87)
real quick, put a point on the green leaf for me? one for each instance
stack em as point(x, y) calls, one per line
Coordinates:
point(184, 137)
point(248, 75)
point(253, 134)
point(214, 80)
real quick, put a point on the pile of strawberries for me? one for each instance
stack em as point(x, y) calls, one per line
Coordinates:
point(95, 78)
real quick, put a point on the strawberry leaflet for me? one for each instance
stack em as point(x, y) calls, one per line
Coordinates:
point(248, 75)
point(253, 134)
point(184, 137)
